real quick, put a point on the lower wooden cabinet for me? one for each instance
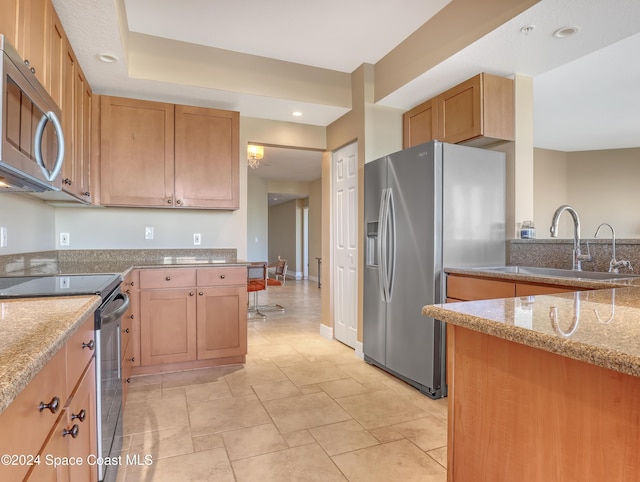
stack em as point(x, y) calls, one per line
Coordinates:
point(470, 288)
point(192, 315)
point(55, 416)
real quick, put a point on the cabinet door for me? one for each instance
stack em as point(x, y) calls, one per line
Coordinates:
point(136, 152)
point(222, 322)
point(82, 412)
point(82, 120)
point(57, 52)
point(56, 446)
point(207, 164)
point(9, 19)
point(33, 35)
point(420, 124)
point(69, 113)
point(167, 326)
point(460, 111)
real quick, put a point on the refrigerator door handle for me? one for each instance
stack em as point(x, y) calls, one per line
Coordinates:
point(391, 234)
point(382, 241)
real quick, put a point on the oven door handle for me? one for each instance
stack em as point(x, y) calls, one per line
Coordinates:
point(119, 311)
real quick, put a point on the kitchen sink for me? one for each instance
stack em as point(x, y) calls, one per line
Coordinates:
point(558, 273)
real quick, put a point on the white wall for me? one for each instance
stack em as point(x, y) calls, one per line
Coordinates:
point(315, 226)
point(257, 219)
point(120, 228)
point(601, 185)
point(283, 233)
point(30, 224)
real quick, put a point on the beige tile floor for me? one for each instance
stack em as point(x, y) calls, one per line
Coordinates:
point(302, 408)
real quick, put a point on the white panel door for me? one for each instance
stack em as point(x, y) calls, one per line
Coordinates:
point(345, 243)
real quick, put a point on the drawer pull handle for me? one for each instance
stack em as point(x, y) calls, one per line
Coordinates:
point(53, 405)
point(222, 276)
point(73, 432)
point(129, 380)
point(168, 278)
point(91, 345)
point(80, 416)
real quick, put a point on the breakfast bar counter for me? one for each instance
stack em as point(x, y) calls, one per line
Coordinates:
point(544, 387)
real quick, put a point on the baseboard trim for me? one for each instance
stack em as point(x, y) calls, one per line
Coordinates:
point(359, 350)
point(326, 331)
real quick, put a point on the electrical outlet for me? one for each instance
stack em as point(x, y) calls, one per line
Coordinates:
point(65, 282)
point(3, 237)
point(148, 232)
point(196, 238)
point(64, 239)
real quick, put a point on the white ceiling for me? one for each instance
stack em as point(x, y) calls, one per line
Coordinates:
point(588, 103)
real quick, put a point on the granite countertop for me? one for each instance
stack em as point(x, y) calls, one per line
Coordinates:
point(599, 327)
point(33, 330)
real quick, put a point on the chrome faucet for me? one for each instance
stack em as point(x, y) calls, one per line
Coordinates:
point(614, 264)
point(578, 257)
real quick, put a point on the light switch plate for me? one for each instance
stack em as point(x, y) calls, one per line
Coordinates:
point(64, 239)
point(148, 232)
point(196, 238)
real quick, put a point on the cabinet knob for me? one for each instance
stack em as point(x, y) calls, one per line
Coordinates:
point(131, 284)
point(86, 193)
point(91, 345)
point(131, 316)
point(26, 62)
point(127, 292)
point(127, 330)
point(191, 293)
point(200, 293)
point(223, 276)
point(169, 201)
point(168, 278)
point(179, 202)
point(67, 181)
point(53, 405)
point(80, 416)
point(132, 360)
point(33, 70)
point(73, 432)
point(128, 380)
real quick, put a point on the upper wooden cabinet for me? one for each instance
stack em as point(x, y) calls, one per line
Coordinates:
point(161, 155)
point(477, 112)
point(136, 152)
point(9, 9)
point(420, 124)
point(32, 35)
point(206, 158)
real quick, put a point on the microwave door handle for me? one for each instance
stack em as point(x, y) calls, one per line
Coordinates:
point(49, 116)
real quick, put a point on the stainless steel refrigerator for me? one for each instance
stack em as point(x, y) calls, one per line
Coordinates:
point(426, 207)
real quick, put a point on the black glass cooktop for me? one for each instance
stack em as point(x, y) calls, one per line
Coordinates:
point(59, 285)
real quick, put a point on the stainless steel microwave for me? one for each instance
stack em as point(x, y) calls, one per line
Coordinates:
point(32, 145)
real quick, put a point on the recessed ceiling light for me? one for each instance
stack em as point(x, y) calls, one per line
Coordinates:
point(296, 113)
point(527, 29)
point(566, 32)
point(107, 58)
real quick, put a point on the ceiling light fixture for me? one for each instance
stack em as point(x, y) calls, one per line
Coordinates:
point(107, 58)
point(254, 154)
point(527, 29)
point(565, 32)
point(296, 113)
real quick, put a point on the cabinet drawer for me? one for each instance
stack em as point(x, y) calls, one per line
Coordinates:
point(23, 416)
point(167, 278)
point(526, 289)
point(236, 275)
point(468, 289)
point(80, 349)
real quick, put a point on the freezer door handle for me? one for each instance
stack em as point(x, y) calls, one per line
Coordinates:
point(391, 242)
point(382, 277)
